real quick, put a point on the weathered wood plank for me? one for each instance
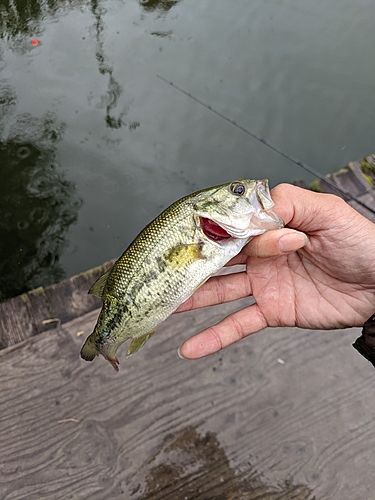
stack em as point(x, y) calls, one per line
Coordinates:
point(45, 308)
point(237, 425)
point(357, 178)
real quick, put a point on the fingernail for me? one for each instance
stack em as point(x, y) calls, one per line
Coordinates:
point(292, 242)
point(179, 354)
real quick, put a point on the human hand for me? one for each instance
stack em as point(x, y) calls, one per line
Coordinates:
point(318, 273)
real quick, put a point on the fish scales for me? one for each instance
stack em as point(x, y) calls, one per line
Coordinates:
point(171, 257)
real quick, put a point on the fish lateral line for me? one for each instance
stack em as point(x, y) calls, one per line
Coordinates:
point(296, 161)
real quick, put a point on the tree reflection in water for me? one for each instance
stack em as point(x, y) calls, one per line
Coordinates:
point(110, 100)
point(37, 205)
point(37, 202)
point(22, 17)
point(160, 5)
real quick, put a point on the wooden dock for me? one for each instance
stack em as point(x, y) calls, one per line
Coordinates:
point(286, 414)
point(357, 179)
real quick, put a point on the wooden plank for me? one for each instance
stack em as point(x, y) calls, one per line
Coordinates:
point(15, 322)
point(45, 308)
point(357, 178)
point(238, 425)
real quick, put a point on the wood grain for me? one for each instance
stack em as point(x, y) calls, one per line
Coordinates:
point(358, 179)
point(47, 307)
point(236, 425)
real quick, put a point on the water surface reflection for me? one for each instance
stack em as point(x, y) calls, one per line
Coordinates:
point(158, 5)
point(24, 17)
point(131, 144)
point(114, 91)
point(37, 203)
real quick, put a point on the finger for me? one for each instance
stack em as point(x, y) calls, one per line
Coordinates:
point(271, 244)
point(233, 328)
point(274, 243)
point(310, 211)
point(218, 290)
point(285, 197)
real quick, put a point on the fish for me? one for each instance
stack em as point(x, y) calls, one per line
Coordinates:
point(171, 258)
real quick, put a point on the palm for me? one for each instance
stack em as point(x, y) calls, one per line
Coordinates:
point(292, 290)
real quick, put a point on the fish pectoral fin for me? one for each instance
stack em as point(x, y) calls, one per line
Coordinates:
point(98, 287)
point(139, 342)
point(183, 255)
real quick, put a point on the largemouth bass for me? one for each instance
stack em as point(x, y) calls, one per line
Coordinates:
point(174, 255)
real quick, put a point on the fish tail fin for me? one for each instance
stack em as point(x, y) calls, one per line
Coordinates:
point(89, 350)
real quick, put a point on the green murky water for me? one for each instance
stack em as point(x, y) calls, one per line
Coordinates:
point(94, 145)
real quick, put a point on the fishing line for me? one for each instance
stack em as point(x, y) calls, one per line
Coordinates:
point(296, 161)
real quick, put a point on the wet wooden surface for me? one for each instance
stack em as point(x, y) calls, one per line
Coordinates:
point(237, 425)
point(358, 179)
point(46, 307)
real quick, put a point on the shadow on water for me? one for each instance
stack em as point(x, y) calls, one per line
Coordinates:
point(37, 202)
point(192, 466)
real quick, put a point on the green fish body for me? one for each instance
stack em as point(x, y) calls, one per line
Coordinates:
point(173, 255)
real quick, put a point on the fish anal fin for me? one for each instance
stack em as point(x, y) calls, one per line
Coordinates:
point(183, 255)
point(139, 342)
point(98, 287)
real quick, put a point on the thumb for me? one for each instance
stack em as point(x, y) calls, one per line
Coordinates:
point(276, 242)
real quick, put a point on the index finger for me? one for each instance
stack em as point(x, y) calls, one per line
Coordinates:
point(218, 290)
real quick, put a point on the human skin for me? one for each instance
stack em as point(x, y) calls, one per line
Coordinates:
point(318, 272)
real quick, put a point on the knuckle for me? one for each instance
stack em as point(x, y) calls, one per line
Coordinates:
point(220, 292)
point(237, 327)
point(216, 338)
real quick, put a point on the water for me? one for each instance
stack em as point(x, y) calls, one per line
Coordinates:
point(94, 145)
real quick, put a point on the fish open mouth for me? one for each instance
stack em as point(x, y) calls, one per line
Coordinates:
point(212, 230)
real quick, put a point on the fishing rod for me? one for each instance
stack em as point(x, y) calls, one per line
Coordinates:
point(296, 161)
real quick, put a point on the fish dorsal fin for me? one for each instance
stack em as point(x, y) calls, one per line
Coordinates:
point(98, 287)
point(139, 342)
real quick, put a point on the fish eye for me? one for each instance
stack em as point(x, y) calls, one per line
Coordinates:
point(237, 188)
